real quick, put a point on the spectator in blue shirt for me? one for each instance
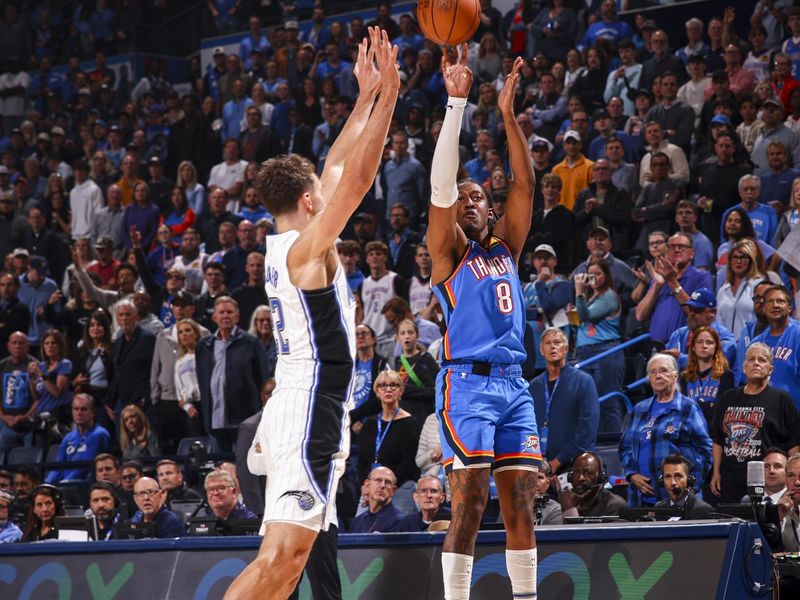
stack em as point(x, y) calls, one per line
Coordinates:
point(381, 515)
point(776, 186)
point(9, 532)
point(673, 280)
point(408, 38)
point(255, 40)
point(608, 27)
point(667, 423)
point(86, 440)
point(763, 216)
point(782, 335)
point(151, 501)
point(50, 376)
point(35, 289)
point(701, 311)
point(333, 65)
point(233, 111)
point(318, 34)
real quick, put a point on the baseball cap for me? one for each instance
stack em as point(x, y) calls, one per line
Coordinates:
point(84, 92)
point(154, 160)
point(774, 102)
point(3, 170)
point(104, 241)
point(45, 137)
point(363, 216)
point(38, 263)
point(702, 298)
point(183, 297)
point(217, 51)
point(545, 248)
point(57, 131)
point(721, 119)
point(572, 135)
point(20, 252)
point(540, 145)
point(601, 230)
point(155, 108)
point(649, 24)
point(291, 25)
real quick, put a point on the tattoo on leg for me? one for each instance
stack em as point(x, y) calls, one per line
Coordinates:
point(469, 491)
point(523, 492)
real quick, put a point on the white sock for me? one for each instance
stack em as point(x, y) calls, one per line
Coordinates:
point(457, 572)
point(521, 567)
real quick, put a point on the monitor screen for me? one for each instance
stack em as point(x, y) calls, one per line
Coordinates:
point(651, 513)
point(203, 526)
point(77, 529)
point(134, 531)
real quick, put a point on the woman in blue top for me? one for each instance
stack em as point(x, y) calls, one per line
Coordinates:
point(707, 375)
point(598, 308)
point(50, 377)
point(667, 423)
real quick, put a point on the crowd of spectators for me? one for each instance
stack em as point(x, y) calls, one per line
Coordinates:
point(132, 306)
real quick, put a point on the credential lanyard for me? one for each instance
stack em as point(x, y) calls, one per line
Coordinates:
point(382, 434)
point(548, 397)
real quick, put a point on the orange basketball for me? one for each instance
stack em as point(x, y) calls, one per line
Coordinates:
point(448, 22)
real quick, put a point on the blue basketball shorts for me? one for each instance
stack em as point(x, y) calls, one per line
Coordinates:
point(486, 420)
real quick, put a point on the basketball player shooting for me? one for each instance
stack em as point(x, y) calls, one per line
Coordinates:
point(485, 410)
point(304, 429)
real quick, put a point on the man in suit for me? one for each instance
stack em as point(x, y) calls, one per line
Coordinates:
point(677, 479)
point(131, 353)
point(231, 368)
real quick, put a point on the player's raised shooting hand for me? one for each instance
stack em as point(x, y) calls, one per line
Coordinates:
point(457, 75)
point(368, 77)
point(506, 99)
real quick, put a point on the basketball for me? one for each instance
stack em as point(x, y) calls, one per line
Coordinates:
point(448, 22)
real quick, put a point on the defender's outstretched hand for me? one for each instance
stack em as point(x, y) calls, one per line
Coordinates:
point(457, 75)
point(506, 98)
point(368, 77)
point(386, 57)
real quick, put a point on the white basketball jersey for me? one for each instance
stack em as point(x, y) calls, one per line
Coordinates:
point(314, 330)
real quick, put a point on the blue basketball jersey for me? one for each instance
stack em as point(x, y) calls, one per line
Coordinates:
point(484, 307)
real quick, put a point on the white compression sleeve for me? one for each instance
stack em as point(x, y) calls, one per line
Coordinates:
point(457, 573)
point(521, 566)
point(445, 158)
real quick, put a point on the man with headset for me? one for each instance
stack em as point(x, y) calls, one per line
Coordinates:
point(676, 477)
point(104, 504)
point(588, 497)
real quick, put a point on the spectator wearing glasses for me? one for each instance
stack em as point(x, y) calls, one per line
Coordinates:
point(428, 497)
point(381, 515)
point(151, 500)
point(673, 282)
point(782, 336)
point(222, 492)
point(701, 311)
point(667, 423)
point(735, 298)
point(391, 439)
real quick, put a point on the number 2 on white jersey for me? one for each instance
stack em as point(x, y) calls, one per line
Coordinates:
point(278, 325)
point(505, 302)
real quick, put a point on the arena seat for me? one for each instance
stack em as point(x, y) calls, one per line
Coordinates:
point(25, 456)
